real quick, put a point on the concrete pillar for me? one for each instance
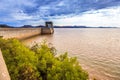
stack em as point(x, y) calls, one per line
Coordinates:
point(4, 75)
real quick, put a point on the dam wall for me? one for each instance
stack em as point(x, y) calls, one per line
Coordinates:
point(4, 75)
point(19, 33)
point(47, 31)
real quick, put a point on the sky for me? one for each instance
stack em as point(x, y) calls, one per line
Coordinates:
point(92, 13)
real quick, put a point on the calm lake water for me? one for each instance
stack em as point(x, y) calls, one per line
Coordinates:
point(97, 50)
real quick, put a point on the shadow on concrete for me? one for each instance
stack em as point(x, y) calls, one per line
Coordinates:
point(33, 36)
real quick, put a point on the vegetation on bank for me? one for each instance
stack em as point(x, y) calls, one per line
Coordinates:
point(39, 62)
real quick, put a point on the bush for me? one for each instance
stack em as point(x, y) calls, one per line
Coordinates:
point(39, 62)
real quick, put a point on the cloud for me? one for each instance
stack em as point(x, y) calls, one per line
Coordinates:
point(103, 17)
point(9, 7)
point(77, 12)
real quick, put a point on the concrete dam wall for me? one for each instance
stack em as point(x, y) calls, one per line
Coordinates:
point(19, 33)
point(4, 75)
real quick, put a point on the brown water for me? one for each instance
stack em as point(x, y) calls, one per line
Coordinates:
point(98, 50)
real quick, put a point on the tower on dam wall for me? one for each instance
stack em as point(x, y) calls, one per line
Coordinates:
point(49, 24)
point(48, 29)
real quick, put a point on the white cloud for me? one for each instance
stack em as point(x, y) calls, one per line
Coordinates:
point(10, 5)
point(21, 16)
point(35, 23)
point(104, 17)
point(12, 10)
point(61, 3)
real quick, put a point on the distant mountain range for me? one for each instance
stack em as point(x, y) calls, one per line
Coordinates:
point(30, 26)
point(5, 26)
point(80, 27)
point(25, 26)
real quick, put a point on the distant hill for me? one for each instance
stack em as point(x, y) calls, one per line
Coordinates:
point(30, 26)
point(107, 27)
point(70, 27)
point(5, 26)
point(39, 26)
point(80, 27)
point(26, 26)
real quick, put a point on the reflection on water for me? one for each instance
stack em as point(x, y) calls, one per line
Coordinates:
point(98, 50)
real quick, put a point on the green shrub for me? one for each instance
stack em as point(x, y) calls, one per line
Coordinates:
point(39, 62)
point(16, 56)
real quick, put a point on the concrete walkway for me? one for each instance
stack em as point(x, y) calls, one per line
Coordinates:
point(4, 75)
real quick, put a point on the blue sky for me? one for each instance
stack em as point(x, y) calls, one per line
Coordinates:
point(61, 12)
